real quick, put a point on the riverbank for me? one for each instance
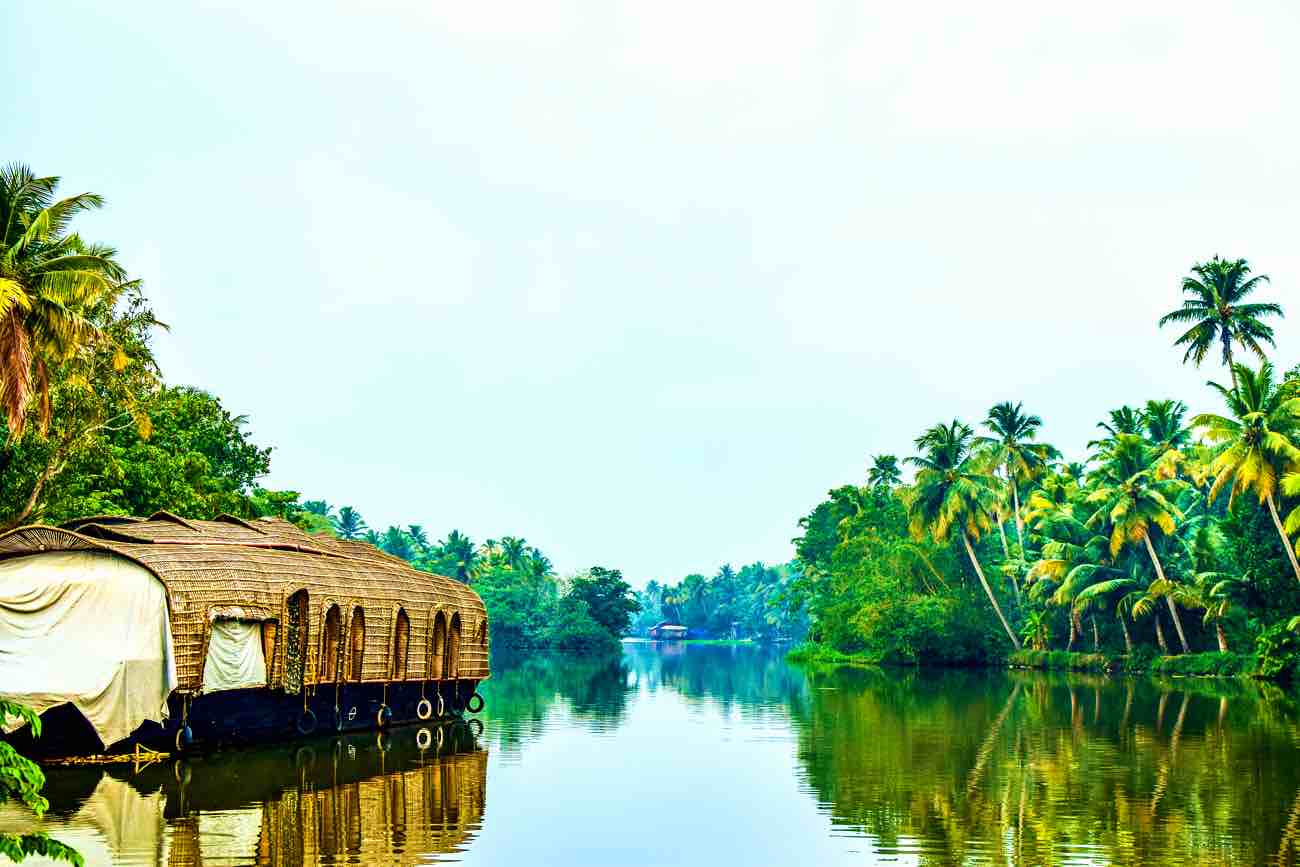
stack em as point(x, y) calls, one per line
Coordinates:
point(1210, 664)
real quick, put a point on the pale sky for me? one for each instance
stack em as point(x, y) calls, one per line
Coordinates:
point(640, 282)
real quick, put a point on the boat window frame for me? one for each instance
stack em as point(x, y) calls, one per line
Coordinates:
point(354, 670)
point(399, 649)
point(451, 656)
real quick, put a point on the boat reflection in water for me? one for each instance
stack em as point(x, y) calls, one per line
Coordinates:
point(409, 796)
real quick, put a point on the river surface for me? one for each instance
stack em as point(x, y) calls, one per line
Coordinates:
point(712, 755)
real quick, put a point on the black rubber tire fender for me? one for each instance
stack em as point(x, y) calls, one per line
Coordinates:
point(306, 721)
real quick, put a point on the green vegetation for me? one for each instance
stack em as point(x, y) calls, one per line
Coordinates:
point(94, 429)
point(21, 780)
point(751, 603)
point(1169, 548)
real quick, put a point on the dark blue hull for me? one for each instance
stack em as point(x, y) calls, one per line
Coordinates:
point(258, 716)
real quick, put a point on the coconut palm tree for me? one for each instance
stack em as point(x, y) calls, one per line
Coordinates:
point(459, 552)
point(1219, 595)
point(1217, 311)
point(49, 279)
point(1013, 450)
point(1070, 556)
point(539, 564)
point(884, 472)
point(1075, 470)
point(318, 507)
point(349, 523)
point(513, 551)
point(1106, 586)
point(1131, 499)
point(1163, 422)
point(1257, 444)
point(1164, 428)
point(952, 491)
point(419, 538)
point(1125, 420)
point(395, 541)
point(373, 537)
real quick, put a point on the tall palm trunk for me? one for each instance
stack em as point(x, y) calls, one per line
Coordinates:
point(1096, 637)
point(1020, 524)
point(1160, 634)
point(1069, 645)
point(1286, 543)
point(1222, 636)
point(1128, 641)
point(1173, 609)
point(1002, 534)
point(970, 552)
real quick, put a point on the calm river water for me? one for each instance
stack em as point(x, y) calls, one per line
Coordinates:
point(709, 755)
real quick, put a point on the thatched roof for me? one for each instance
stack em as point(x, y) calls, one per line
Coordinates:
point(211, 566)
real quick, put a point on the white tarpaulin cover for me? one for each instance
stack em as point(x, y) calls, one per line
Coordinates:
point(89, 628)
point(235, 658)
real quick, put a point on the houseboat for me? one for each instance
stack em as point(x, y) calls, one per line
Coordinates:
point(667, 631)
point(179, 634)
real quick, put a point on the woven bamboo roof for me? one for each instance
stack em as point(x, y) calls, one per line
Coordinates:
point(213, 566)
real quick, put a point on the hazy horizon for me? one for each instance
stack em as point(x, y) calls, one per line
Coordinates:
point(642, 283)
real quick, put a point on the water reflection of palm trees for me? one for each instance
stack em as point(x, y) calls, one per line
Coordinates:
point(363, 798)
point(525, 688)
point(1033, 769)
point(751, 676)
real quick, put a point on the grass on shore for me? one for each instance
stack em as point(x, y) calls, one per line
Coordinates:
point(810, 653)
point(1186, 665)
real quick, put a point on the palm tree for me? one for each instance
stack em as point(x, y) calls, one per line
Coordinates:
point(1125, 420)
point(318, 507)
point(1075, 470)
point(1257, 444)
point(419, 538)
point(952, 492)
point(372, 537)
point(884, 472)
point(460, 551)
point(1218, 594)
point(49, 279)
point(1164, 428)
point(513, 551)
point(1215, 311)
point(1012, 448)
point(1130, 499)
point(349, 523)
point(1163, 422)
point(1101, 586)
point(540, 565)
point(1071, 555)
point(395, 541)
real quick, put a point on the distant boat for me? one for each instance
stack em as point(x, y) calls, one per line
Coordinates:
point(178, 634)
point(667, 631)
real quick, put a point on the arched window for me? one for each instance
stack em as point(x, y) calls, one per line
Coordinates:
point(358, 643)
point(295, 642)
point(437, 646)
point(331, 645)
point(401, 639)
point(451, 659)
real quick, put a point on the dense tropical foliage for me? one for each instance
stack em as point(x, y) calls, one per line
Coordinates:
point(1173, 535)
point(750, 603)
